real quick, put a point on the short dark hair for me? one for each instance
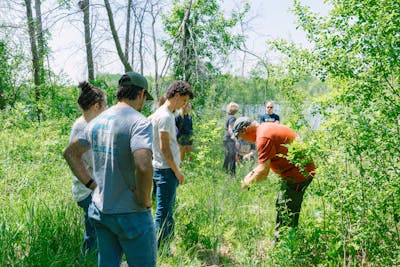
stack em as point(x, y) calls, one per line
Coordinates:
point(181, 87)
point(130, 92)
point(130, 84)
point(89, 95)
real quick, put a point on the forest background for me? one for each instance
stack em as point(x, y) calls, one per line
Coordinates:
point(349, 76)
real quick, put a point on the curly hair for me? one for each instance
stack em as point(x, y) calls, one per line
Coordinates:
point(90, 95)
point(180, 87)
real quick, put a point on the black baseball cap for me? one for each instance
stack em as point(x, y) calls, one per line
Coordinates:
point(134, 78)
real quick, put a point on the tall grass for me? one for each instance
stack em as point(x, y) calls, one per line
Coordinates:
point(40, 224)
point(217, 224)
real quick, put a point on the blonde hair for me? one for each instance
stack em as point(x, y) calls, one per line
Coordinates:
point(232, 108)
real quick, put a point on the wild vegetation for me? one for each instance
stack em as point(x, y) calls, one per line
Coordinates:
point(349, 78)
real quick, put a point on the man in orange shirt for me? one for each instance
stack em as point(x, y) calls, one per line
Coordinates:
point(271, 141)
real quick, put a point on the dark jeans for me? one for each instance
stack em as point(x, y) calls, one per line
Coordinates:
point(288, 204)
point(89, 236)
point(230, 157)
point(166, 194)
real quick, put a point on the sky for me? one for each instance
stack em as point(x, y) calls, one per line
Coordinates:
point(271, 19)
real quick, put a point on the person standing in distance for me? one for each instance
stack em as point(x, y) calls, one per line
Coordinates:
point(269, 115)
point(120, 139)
point(271, 141)
point(230, 141)
point(184, 125)
point(92, 101)
point(166, 157)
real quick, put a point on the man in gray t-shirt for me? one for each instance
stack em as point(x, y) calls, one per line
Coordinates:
point(121, 142)
point(167, 174)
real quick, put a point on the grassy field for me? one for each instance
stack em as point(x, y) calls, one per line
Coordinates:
point(217, 224)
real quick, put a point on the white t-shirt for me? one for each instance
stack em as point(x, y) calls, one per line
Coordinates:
point(163, 120)
point(79, 190)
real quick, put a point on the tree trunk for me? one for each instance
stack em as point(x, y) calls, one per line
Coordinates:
point(121, 55)
point(128, 28)
point(140, 22)
point(154, 16)
point(183, 54)
point(40, 40)
point(4, 74)
point(32, 39)
point(141, 47)
point(84, 6)
point(133, 41)
point(35, 55)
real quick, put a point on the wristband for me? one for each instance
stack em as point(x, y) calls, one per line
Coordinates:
point(88, 184)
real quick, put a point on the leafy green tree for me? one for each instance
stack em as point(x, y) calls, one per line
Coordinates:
point(357, 50)
point(10, 63)
point(291, 81)
point(5, 84)
point(200, 37)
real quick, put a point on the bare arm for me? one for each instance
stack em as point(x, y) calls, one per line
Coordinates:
point(230, 131)
point(73, 155)
point(143, 176)
point(166, 150)
point(259, 174)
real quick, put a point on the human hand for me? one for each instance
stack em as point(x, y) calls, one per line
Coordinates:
point(181, 178)
point(93, 186)
point(247, 181)
point(141, 199)
point(244, 185)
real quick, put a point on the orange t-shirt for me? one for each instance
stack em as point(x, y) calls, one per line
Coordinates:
point(271, 138)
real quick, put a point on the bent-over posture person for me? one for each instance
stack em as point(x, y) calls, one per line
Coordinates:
point(120, 139)
point(92, 101)
point(271, 141)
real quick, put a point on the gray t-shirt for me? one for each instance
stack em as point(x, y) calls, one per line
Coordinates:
point(79, 190)
point(163, 120)
point(113, 137)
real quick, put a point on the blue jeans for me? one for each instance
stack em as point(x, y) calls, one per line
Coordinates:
point(131, 233)
point(166, 194)
point(89, 236)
